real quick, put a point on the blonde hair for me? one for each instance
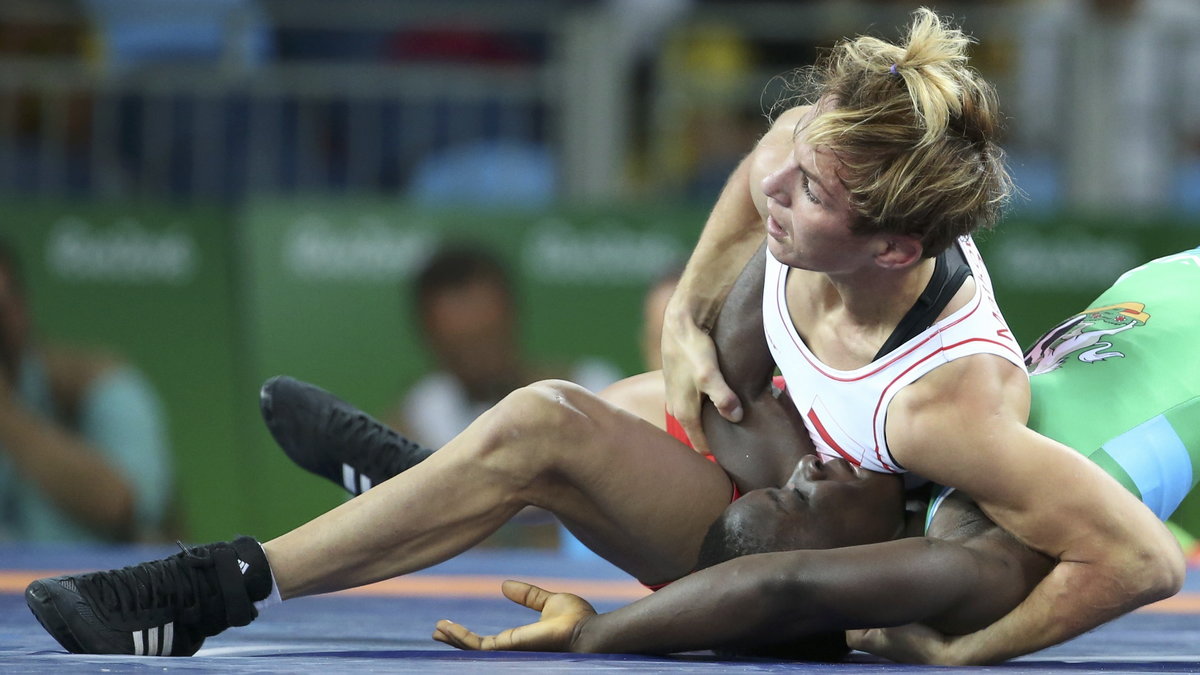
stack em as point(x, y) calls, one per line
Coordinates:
point(915, 130)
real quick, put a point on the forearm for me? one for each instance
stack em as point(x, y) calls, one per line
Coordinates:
point(777, 597)
point(762, 450)
point(692, 613)
point(730, 236)
point(738, 333)
point(71, 473)
point(1073, 599)
point(1114, 553)
point(1114, 556)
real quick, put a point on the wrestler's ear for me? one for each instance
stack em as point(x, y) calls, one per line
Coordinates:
point(899, 250)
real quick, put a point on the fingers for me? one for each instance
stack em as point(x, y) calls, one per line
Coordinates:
point(695, 434)
point(712, 384)
point(726, 402)
point(525, 594)
point(859, 639)
point(722, 397)
point(691, 371)
point(457, 636)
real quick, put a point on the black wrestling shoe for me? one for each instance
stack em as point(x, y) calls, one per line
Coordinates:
point(331, 438)
point(160, 608)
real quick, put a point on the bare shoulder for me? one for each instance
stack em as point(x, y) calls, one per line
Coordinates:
point(983, 384)
point(963, 425)
point(946, 421)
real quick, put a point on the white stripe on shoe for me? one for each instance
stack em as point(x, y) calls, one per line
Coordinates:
point(146, 642)
point(348, 481)
point(364, 484)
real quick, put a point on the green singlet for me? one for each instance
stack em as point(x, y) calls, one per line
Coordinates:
point(1120, 382)
point(1123, 378)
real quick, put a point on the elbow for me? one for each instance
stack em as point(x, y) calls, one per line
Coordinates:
point(769, 593)
point(1167, 573)
point(787, 600)
point(1159, 569)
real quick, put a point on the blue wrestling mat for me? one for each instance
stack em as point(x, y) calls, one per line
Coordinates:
point(387, 627)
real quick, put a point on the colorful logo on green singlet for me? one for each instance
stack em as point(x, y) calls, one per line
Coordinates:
point(1081, 336)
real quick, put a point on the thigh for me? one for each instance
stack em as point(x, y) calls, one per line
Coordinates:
point(631, 492)
point(644, 395)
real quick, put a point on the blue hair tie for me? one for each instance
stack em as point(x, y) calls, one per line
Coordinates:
point(893, 70)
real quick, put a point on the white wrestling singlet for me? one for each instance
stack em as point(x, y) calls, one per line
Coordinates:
point(845, 411)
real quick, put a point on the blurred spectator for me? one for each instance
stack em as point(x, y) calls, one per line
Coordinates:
point(1111, 85)
point(53, 29)
point(710, 67)
point(47, 127)
point(509, 173)
point(163, 137)
point(467, 314)
point(134, 33)
point(83, 444)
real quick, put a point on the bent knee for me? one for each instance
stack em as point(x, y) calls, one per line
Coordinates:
point(534, 422)
point(542, 406)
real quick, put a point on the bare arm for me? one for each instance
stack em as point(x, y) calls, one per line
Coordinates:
point(770, 598)
point(775, 597)
point(733, 231)
point(1114, 555)
point(762, 450)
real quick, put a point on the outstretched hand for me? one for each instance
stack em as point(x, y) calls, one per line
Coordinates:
point(563, 615)
point(912, 643)
point(691, 372)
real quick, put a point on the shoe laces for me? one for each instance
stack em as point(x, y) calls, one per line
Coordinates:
point(376, 448)
point(187, 582)
point(156, 584)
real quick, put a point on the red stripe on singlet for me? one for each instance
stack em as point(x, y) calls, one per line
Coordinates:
point(812, 415)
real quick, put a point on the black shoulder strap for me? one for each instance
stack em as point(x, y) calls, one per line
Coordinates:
point(949, 273)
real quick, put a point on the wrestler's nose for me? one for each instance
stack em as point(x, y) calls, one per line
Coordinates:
point(809, 468)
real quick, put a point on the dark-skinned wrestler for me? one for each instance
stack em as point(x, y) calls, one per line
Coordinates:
point(784, 564)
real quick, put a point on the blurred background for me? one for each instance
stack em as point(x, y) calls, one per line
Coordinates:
point(216, 191)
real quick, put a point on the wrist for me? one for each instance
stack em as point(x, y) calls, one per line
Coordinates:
point(688, 311)
point(959, 651)
point(586, 638)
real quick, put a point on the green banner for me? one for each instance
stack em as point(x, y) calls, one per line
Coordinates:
point(210, 304)
point(152, 284)
point(327, 299)
point(1045, 270)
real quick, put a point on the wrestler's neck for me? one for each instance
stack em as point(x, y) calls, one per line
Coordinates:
point(875, 296)
point(845, 319)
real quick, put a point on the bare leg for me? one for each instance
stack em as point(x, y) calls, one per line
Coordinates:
point(628, 490)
